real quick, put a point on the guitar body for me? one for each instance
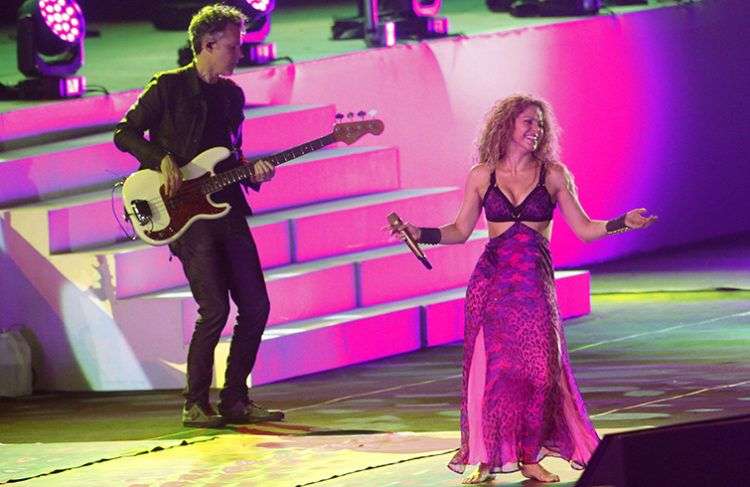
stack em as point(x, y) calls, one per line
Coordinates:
point(159, 220)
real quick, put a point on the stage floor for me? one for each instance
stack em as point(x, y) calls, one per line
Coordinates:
point(126, 54)
point(657, 349)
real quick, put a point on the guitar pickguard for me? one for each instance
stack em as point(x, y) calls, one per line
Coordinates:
point(188, 205)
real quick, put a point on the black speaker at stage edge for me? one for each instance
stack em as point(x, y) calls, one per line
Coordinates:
point(712, 453)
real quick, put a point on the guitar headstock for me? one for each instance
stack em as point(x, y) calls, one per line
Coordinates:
point(350, 132)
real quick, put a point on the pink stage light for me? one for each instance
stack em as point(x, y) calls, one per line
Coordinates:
point(389, 33)
point(255, 51)
point(73, 86)
point(426, 8)
point(258, 54)
point(263, 6)
point(50, 37)
point(63, 18)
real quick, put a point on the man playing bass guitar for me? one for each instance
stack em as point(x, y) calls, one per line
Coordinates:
point(187, 111)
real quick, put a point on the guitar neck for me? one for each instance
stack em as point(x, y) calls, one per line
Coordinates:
point(300, 150)
point(224, 179)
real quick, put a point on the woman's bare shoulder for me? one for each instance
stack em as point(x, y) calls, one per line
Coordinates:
point(559, 176)
point(557, 168)
point(481, 171)
point(557, 171)
point(479, 175)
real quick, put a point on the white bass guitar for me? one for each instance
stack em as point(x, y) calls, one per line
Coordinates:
point(159, 220)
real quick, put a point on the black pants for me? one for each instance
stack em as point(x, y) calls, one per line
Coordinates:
point(220, 260)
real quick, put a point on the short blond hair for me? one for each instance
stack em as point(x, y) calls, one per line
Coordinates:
point(210, 20)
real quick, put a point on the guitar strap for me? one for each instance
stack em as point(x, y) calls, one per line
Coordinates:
point(234, 138)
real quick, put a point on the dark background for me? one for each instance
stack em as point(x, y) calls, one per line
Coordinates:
point(109, 10)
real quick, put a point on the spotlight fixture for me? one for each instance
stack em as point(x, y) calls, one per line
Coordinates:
point(417, 18)
point(380, 19)
point(377, 33)
point(256, 51)
point(50, 48)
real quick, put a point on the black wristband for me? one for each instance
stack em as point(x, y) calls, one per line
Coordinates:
point(429, 235)
point(617, 226)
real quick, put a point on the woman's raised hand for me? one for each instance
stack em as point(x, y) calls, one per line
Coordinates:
point(639, 218)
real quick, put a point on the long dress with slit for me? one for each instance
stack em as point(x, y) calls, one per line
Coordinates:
point(520, 400)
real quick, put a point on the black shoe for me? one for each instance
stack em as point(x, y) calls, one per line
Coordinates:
point(242, 413)
point(200, 416)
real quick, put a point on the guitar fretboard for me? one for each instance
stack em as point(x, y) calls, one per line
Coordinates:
point(222, 180)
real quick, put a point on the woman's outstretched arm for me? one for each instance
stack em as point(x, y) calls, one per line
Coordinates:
point(562, 187)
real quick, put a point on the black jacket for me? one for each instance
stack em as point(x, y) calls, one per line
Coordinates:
point(173, 111)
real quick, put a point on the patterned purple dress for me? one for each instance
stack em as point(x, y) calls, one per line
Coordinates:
point(520, 400)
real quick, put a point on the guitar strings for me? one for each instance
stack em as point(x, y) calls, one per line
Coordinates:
point(190, 188)
point(162, 203)
point(187, 193)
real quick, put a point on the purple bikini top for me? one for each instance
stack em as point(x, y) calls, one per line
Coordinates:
point(536, 207)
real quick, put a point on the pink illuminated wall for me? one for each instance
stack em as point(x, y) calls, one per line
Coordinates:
point(652, 106)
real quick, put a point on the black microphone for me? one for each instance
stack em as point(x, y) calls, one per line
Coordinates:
point(395, 221)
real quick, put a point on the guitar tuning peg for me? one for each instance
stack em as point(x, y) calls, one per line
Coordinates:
point(339, 117)
point(350, 115)
point(361, 114)
point(372, 112)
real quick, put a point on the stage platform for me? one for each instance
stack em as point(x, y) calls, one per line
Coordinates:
point(337, 285)
point(643, 358)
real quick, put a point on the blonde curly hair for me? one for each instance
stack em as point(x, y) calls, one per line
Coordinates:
point(500, 122)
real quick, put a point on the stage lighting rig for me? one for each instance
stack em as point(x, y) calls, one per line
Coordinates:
point(379, 20)
point(50, 38)
point(256, 51)
point(416, 18)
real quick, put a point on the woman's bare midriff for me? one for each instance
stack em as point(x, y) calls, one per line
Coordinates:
point(542, 228)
